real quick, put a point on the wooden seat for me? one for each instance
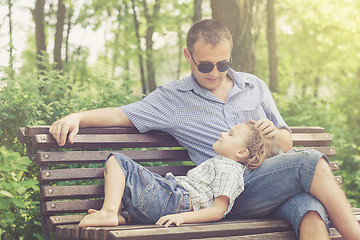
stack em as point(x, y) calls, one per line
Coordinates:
point(71, 182)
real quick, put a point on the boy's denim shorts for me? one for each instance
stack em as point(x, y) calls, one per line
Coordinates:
point(149, 196)
point(279, 188)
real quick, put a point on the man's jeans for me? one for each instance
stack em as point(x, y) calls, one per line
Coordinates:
point(279, 188)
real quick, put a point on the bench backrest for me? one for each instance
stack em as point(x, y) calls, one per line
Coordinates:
point(71, 177)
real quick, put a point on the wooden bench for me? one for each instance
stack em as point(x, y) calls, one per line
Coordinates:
point(71, 182)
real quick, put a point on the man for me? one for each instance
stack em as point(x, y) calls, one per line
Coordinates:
point(214, 99)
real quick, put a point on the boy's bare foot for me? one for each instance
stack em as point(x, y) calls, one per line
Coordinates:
point(121, 219)
point(101, 219)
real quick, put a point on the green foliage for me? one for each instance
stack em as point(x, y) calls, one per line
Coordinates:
point(34, 99)
point(338, 119)
point(18, 208)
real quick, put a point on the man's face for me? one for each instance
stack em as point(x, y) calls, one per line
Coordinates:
point(206, 53)
point(232, 141)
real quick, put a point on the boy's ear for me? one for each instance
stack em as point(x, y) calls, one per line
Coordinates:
point(243, 153)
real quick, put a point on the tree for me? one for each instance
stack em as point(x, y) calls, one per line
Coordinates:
point(140, 57)
point(271, 38)
point(11, 47)
point(59, 34)
point(150, 23)
point(69, 16)
point(197, 10)
point(38, 15)
point(236, 15)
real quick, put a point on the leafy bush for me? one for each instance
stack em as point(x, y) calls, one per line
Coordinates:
point(17, 203)
point(39, 99)
point(338, 119)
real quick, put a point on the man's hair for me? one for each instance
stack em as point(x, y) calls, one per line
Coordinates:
point(260, 148)
point(209, 30)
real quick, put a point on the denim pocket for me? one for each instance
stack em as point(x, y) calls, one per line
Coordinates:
point(154, 198)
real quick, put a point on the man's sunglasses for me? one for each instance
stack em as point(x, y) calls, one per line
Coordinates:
point(207, 67)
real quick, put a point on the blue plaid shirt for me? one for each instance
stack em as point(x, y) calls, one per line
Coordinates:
point(195, 117)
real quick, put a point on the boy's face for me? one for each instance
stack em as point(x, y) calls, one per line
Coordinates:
point(233, 141)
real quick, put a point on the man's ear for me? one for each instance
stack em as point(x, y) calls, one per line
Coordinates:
point(187, 55)
point(243, 153)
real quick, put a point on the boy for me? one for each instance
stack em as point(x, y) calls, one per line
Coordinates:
point(205, 194)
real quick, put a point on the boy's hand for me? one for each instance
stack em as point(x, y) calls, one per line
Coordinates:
point(176, 219)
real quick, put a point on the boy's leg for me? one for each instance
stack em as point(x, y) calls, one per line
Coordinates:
point(325, 188)
point(114, 189)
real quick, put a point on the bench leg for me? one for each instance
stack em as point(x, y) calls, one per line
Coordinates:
point(45, 230)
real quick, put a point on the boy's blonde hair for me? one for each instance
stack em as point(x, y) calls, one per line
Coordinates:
point(260, 148)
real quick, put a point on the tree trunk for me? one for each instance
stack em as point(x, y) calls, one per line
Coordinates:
point(59, 34)
point(236, 15)
point(316, 86)
point(11, 47)
point(116, 41)
point(197, 10)
point(38, 15)
point(138, 42)
point(271, 38)
point(68, 29)
point(150, 20)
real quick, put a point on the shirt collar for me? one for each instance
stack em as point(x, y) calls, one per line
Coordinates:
point(222, 158)
point(189, 83)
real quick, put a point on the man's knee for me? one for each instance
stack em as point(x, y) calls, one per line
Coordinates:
point(323, 166)
point(312, 216)
point(313, 225)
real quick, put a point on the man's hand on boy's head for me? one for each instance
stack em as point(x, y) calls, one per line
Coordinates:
point(266, 127)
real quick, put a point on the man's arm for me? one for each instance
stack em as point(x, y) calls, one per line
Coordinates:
point(281, 136)
point(214, 213)
point(283, 139)
point(103, 117)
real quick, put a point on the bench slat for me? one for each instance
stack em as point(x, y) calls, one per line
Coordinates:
point(31, 131)
point(186, 231)
point(87, 141)
point(72, 206)
point(45, 158)
point(304, 129)
point(289, 235)
point(71, 192)
point(329, 151)
point(48, 176)
point(311, 139)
